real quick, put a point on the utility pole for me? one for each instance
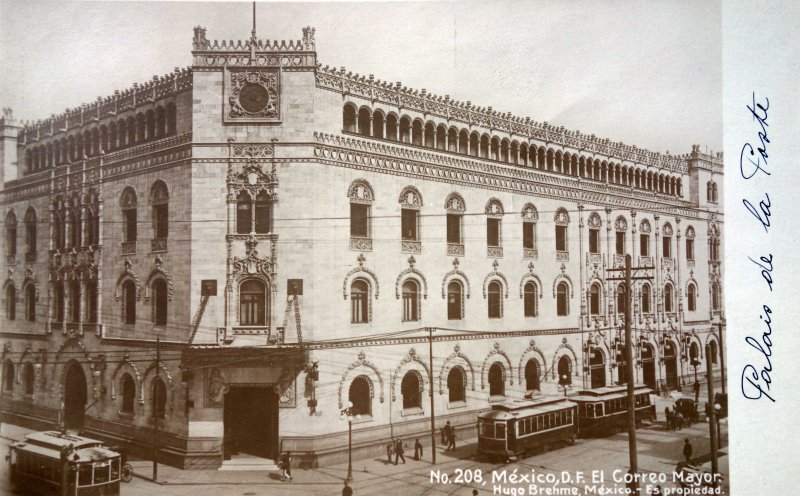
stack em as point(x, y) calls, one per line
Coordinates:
point(712, 416)
point(629, 365)
point(721, 358)
point(155, 412)
point(430, 388)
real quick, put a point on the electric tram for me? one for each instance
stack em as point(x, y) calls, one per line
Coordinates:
point(53, 462)
point(519, 428)
point(604, 410)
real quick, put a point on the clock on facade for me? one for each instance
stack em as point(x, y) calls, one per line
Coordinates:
point(252, 95)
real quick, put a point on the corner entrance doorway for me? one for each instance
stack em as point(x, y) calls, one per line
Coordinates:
point(250, 421)
point(74, 396)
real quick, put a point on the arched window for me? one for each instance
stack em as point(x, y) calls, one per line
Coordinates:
point(454, 205)
point(92, 297)
point(594, 299)
point(244, 213)
point(129, 302)
point(253, 303)
point(456, 384)
point(160, 298)
point(75, 225)
point(529, 218)
point(75, 300)
point(410, 301)
point(689, 243)
point(562, 301)
point(29, 377)
point(411, 389)
point(378, 123)
point(497, 386)
point(455, 301)
point(562, 222)
point(391, 127)
point(360, 395)
point(359, 301)
point(646, 298)
point(530, 300)
point(128, 394)
point(8, 376)
point(172, 119)
point(30, 302)
point(691, 295)
point(495, 295)
point(11, 302)
point(621, 299)
point(712, 349)
point(58, 301)
point(161, 122)
point(361, 198)
point(668, 298)
point(11, 234)
point(349, 118)
point(494, 225)
point(262, 211)
point(364, 127)
point(715, 297)
point(30, 231)
point(532, 375)
point(159, 400)
point(129, 203)
point(159, 201)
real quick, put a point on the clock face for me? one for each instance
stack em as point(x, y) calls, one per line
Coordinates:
point(253, 97)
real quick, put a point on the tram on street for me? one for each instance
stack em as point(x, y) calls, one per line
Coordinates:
point(519, 428)
point(602, 411)
point(52, 462)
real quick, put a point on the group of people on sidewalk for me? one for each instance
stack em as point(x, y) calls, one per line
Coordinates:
point(395, 447)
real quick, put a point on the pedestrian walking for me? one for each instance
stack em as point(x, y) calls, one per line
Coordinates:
point(285, 464)
point(417, 450)
point(390, 450)
point(667, 417)
point(347, 490)
point(687, 451)
point(451, 441)
point(398, 452)
point(446, 434)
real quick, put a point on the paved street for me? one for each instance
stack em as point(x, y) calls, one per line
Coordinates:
point(658, 452)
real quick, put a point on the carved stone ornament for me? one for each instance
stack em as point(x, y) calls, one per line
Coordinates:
point(454, 204)
point(216, 388)
point(562, 217)
point(594, 220)
point(529, 212)
point(410, 197)
point(252, 263)
point(252, 95)
point(690, 232)
point(644, 227)
point(667, 229)
point(621, 224)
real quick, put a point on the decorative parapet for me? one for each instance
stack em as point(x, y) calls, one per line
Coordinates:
point(158, 87)
point(254, 52)
point(396, 94)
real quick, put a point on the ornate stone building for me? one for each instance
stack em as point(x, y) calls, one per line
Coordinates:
point(291, 237)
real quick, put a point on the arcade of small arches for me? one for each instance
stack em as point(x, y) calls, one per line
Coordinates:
point(123, 133)
point(404, 129)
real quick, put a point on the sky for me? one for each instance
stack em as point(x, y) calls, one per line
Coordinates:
point(642, 72)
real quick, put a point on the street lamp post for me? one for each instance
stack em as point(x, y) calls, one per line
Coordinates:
point(349, 413)
point(564, 384)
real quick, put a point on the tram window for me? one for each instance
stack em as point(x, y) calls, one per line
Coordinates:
point(501, 431)
point(85, 474)
point(101, 474)
point(488, 429)
point(114, 469)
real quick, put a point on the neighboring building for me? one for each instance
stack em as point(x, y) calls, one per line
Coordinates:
point(258, 214)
